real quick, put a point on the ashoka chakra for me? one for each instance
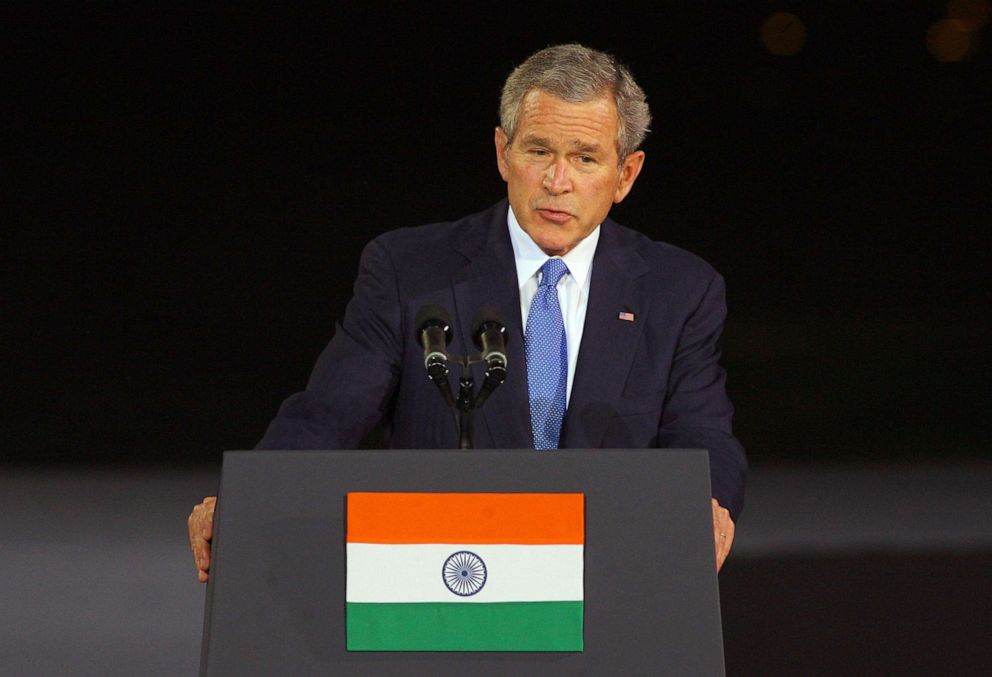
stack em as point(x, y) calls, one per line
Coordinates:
point(464, 573)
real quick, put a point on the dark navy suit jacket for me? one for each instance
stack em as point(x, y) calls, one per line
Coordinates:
point(651, 383)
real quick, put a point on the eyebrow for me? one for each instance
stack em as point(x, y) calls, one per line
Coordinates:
point(532, 139)
point(586, 147)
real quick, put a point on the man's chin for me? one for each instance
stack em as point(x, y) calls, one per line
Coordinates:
point(553, 246)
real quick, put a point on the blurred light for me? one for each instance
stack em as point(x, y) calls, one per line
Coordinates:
point(948, 40)
point(783, 34)
point(972, 14)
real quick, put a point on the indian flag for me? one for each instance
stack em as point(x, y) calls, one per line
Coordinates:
point(464, 572)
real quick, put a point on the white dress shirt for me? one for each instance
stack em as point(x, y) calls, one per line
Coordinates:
point(573, 288)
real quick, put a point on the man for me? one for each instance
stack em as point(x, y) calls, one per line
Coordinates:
point(615, 344)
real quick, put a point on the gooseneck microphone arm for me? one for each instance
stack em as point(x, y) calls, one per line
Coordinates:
point(489, 335)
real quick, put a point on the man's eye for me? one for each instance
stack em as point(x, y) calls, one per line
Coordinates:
point(539, 151)
point(586, 159)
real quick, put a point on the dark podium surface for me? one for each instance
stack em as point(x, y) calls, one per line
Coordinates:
point(276, 596)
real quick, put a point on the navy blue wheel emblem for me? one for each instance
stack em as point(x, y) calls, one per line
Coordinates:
point(464, 573)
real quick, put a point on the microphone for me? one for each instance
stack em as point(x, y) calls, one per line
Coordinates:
point(490, 338)
point(433, 334)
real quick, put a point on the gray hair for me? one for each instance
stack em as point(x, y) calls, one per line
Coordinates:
point(579, 74)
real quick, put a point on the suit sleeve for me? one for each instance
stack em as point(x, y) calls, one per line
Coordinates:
point(698, 413)
point(352, 384)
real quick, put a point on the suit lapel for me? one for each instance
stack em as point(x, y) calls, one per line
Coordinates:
point(488, 278)
point(608, 342)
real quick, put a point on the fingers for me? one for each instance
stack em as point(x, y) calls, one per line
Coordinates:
point(727, 542)
point(717, 538)
point(201, 528)
point(723, 533)
point(209, 504)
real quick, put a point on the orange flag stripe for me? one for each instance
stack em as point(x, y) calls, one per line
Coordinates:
point(525, 519)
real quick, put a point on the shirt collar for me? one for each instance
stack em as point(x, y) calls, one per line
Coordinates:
point(529, 257)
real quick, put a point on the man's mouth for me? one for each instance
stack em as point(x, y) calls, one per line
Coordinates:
point(554, 215)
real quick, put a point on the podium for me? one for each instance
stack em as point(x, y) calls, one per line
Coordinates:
point(275, 601)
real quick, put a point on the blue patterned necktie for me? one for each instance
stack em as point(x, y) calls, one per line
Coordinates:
point(546, 351)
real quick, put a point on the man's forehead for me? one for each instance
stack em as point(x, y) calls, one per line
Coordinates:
point(537, 98)
point(546, 117)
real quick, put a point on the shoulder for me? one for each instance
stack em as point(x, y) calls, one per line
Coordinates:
point(661, 260)
point(441, 236)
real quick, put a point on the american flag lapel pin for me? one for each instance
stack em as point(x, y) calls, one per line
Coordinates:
point(627, 316)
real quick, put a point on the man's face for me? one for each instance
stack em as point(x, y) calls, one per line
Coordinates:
point(562, 170)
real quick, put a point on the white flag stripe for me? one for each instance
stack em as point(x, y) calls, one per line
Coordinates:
point(514, 573)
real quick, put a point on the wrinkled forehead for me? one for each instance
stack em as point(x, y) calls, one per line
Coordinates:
point(590, 123)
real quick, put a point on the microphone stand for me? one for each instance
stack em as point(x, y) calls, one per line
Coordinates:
point(466, 411)
point(437, 366)
point(468, 402)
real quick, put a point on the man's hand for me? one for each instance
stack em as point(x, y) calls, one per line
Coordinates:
point(723, 533)
point(201, 530)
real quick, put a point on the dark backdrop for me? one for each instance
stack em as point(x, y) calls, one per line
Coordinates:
point(190, 189)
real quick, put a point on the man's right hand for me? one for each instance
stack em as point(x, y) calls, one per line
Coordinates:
point(201, 530)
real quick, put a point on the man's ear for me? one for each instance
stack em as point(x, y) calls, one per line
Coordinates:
point(629, 170)
point(501, 143)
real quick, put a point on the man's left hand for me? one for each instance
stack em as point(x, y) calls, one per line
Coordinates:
point(723, 533)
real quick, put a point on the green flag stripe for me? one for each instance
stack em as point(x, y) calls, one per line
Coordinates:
point(442, 626)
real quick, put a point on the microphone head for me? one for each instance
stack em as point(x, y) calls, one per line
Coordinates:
point(430, 316)
point(486, 319)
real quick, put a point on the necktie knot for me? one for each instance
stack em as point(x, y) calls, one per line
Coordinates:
point(552, 271)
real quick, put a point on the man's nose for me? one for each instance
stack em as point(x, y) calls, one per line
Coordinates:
point(557, 178)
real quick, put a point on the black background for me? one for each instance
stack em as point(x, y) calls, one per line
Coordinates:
point(191, 187)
